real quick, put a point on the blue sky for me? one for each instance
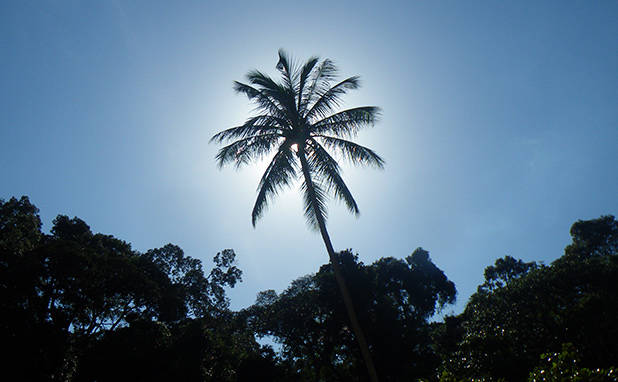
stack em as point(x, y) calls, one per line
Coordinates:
point(499, 127)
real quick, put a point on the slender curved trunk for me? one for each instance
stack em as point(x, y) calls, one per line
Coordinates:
point(358, 332)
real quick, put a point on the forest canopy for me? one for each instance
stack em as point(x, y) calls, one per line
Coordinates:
point(84, 306)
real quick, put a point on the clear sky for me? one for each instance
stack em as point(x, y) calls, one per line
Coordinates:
point(499, 127)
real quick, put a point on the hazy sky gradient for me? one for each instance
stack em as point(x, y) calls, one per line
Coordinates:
point(499, 127)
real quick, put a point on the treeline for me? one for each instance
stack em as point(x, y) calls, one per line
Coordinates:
point(80, 306)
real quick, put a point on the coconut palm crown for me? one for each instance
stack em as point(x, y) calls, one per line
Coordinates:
point(298, 119)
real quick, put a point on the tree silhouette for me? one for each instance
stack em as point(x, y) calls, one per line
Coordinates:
point(74, 302)
point(524, 310)
point(297, 119)
point(395, 299)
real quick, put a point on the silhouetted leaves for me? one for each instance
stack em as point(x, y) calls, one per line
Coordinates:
point(19, 227)
point(298, 120)
point(524, 310)
point(394, 299)
point(84, 306)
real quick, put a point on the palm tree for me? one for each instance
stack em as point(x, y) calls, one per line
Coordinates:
point(297, 119)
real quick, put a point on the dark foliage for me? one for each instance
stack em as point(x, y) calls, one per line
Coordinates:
point(81, 306)
point(395, 298)
point(84, 307)
point(524, 310)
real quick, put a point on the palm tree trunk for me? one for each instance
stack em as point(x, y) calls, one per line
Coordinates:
point(356, 328)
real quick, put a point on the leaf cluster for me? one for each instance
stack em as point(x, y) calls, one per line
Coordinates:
point(297, 120)
point(83, 306)
point(524, 310)
point(394, 299)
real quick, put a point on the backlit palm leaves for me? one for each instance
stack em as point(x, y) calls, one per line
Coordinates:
point(297, 119)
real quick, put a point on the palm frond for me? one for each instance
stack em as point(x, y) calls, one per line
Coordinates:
point(347, 122)
point(320, 81)
point(304, 75)
point(263, 100)
point(246, 149)
point(329, 170)
point(330, 99)
point(265, 82)
point(279, 173)
point(284, 96)
point(254, 126)
point(314, 199)
point(287, 68)
point(354, 153)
